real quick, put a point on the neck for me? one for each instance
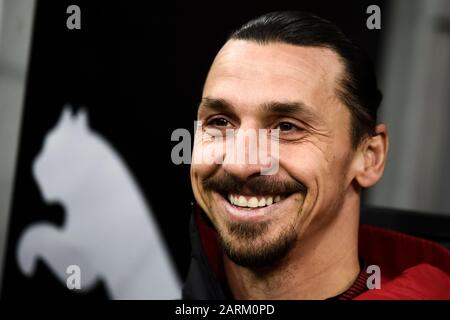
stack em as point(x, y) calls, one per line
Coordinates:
point(319, 266)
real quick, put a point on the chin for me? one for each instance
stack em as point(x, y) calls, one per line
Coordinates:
point(265, 250)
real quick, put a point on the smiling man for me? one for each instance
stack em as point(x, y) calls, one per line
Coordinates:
point(292, 234)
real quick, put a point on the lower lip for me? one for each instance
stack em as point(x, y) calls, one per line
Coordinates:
point(243, 214)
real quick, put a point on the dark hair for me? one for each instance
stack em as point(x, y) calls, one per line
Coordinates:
point(357, 87)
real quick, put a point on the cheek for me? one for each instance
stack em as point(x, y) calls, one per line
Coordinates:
point(209, 149)
point(302, 162)
point(202, 166)
point(322, 175)
point(198, 172)
point(315, 167)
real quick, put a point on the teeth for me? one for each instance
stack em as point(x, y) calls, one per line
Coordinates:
point(253, 202)
point(262, 202)
point(242, 202)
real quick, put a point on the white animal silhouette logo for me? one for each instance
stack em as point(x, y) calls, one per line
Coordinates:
point(108, 231)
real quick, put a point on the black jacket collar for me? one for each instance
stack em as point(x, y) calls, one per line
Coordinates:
point(201, 282)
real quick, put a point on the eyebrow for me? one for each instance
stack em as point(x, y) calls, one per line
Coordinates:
point(218, 105)
point(289, 108)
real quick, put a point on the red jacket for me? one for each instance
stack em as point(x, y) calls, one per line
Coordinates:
point(411, 267)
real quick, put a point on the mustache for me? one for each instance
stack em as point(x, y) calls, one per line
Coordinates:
point(225, 183)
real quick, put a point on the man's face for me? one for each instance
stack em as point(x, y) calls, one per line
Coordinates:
point(292, 89)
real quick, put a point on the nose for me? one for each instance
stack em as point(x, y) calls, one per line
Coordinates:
point(242, 156)
point(242, 171)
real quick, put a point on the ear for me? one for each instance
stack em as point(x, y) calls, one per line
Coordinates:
point(66, 115)
point(373, 153)
point(81, 119)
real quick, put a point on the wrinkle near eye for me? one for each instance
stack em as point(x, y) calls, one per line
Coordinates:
point(309, 139)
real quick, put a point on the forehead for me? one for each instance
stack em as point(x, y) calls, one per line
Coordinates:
point(247, 73)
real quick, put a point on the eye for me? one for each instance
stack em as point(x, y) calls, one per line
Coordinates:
point(287, 127)
point(218, 122)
